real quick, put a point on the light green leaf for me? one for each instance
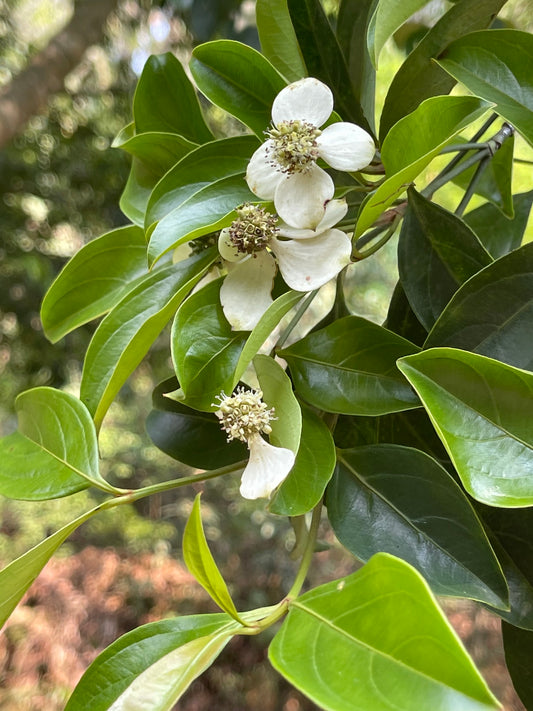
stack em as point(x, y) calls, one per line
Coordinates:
point(483, 412)
point(136, 193)
point(377, 640)
point(157, 150)
point(388, 16)
point(201, 563)
point(278, 39)
point(94, 280)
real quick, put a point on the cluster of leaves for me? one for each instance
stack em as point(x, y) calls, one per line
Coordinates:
point(416, 434)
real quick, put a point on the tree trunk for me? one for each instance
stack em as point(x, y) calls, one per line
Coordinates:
point(29, 91)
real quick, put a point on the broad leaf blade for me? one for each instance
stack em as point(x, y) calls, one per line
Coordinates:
point(382, 630)
point(278, 39)
point(483, 412)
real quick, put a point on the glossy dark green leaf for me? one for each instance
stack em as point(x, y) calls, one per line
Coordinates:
point(377, 640)
point(420, 77)
point(483, 412)
point(238, 79)
point(350, 368)
point(94, 280)
point(495, 65)
point(497, 233)
point(205, 350)
point(125, 335)
point(165, 100)
point(412, 144)
point(54, 453)
point(324, 59)
point(157, 150)
point(401, 501)
point(190, 436)
point(315, 460)
point(492, 313)
point(518, 646)
point(402, 319)
point(437, 252)
point(134, 199)
point(278, 39)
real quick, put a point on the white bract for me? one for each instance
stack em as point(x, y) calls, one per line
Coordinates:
point(251, 248)
point(245, 416)
point(284, 168)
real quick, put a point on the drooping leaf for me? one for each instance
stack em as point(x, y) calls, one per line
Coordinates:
point(494, 65)
point(492, 313)
point(402, 319)
point(420, 77)
point(136, 193)
point(94, 280)
point(54, 453)
point(437, 252)
point(125, 335)
point(388, 16)
point(349, 367)
point(278, 39)
point(518, 646)
point(377, 639)
point(238, 79)
point(411, 145)
point(399, 500)
point(483, 412)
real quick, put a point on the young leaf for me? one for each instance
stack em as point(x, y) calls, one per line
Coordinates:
point(401, 501)
point(492, 313)
point(349, 367)
point(412, 144)
point(377, 639)
point(437, 252)
point(238, 79)
point(494, 65)
point(94, 280)
point(201, 563)
point(483, 412)
point(54, 453)
point(518, 645)
point(124, 337)
point(278, 39)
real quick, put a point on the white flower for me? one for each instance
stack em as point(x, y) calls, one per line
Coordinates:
point(284, 168)
point(245, 416)
point(307, 259)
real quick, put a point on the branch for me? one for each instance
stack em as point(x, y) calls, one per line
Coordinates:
point(29, 91)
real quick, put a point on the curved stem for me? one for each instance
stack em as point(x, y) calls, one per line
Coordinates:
point(307, 555)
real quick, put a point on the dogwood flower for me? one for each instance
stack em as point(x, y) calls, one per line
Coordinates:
point(245, 416)
point(284, 168)
point(257, 242)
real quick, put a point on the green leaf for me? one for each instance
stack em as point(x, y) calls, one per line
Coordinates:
point(401, 501)
point(165, 100)
point(125, 335)
point(201, 563)
point(324, 59)
point(420, 77)
point(17, 577)
point(190, 436)
point(136, 193)
point(205, 351)
point(518, 646)
point(382, 630)
point(411, 145)
point(402, 319)
point(94, 280)
point(483, 412)
point(277, 392)
point(349, 367)
point(278, 39)
point(497, 233)
point(492, 313)
point(315, 461)
point(54, 453)
point(153, 665)
point(437, 252)
point(388, 16)
point(158, 151)
point(239, 80)
point(494, 65)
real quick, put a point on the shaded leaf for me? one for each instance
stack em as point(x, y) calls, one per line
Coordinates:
point(518, 646)
point(278, 39)
point(402, 319)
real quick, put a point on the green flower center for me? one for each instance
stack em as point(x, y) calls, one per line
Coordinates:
point(244, 414)
point(295, 148)
point(252, 230)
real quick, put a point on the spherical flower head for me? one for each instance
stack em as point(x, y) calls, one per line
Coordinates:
point(244, 414)
point(253, 229)
point(294, 146)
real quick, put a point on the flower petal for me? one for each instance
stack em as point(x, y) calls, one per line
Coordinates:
point(334, 212)
point(307, 99)
point(307, 264)
point(266, 469)
point(227, 249)
point(261, 175)
point(300, 198)
point(245, 292)
point(345, 146)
